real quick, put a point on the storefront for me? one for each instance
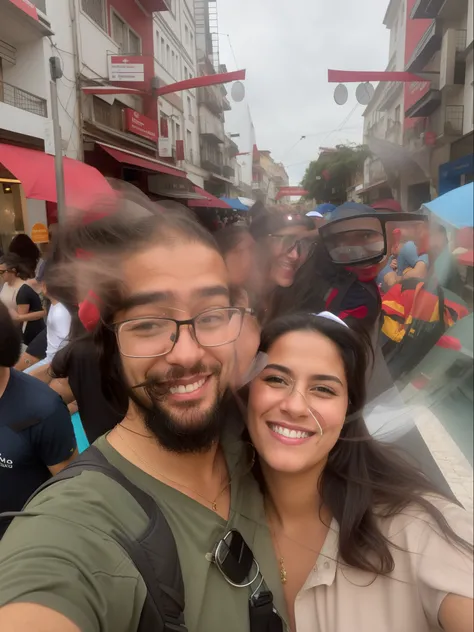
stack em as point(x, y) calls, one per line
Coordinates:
point(28, 191)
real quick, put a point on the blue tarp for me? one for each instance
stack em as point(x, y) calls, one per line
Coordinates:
point(235, 203)
point(455, 207)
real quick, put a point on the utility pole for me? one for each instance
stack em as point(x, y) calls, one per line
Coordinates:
point(57, 73)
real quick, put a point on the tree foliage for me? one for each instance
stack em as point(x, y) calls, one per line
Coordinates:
point(328, 178)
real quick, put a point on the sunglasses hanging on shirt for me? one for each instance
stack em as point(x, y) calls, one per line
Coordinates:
point(235, 560)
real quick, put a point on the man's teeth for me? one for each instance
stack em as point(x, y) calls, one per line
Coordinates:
point(186, 388)
point(290, 434)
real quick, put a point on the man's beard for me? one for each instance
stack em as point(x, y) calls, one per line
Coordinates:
point(193, 431)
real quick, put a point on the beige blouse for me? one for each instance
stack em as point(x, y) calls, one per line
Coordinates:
point(337, 598)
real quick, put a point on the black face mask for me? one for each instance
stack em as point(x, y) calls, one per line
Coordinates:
point(171, 433)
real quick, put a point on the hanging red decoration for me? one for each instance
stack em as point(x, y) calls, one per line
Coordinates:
point(326, 175)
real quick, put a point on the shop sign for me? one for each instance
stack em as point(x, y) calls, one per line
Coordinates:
point(141, 125)
point(39, 233)
point(26, 6)
point(164, 148)
point(126, 68)
point(176, 185)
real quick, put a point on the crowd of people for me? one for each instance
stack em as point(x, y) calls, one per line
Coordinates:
point(222, 378)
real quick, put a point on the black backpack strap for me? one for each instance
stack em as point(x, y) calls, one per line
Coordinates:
point(154, 553)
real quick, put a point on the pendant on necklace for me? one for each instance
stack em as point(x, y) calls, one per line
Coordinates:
point(214, 506)
point(283, 577)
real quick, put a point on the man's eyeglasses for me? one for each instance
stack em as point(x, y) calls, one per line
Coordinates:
point(287, 243)
point(236, 562)
point(150, 337)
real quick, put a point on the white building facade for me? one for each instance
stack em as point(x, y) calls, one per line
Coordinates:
point(421, 134)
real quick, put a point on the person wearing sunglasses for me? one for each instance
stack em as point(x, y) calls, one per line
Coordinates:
point(363, 540)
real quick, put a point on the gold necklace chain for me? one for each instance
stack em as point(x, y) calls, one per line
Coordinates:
point(281, 559)
point(212, 503)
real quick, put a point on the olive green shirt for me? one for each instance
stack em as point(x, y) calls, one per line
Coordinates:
point(62, 553)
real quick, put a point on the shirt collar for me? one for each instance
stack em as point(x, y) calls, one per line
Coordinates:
point(324, 571)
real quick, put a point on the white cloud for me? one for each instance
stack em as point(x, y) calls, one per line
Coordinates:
point(287, 47)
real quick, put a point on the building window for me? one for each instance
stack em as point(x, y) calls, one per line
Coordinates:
point(192, 44)
point(189, 145)
point(397, 114)
point(127, 40)
point(135, 43)
point(186, 74)
point(95, 9)
point(178, 131)
point(168, 57)
point(108, 115)
point(190, 107)
point(162, 52)
point(186, 34)
point(173, 62)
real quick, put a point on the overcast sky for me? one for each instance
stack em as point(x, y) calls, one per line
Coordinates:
point(287, 47)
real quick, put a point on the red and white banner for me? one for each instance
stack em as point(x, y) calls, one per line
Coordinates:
point(141, 125)
point(26, 6)
point(291, 191)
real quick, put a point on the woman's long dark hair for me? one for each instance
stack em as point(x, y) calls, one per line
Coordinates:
point(27, 250)
point(363, 479)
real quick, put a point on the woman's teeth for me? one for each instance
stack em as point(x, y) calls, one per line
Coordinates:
point(290, 434)
point(186, 388)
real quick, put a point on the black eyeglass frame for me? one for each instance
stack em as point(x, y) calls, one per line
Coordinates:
point(297, 243)
point(188, 322)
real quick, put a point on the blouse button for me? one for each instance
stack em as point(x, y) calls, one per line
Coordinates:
point(326, 564)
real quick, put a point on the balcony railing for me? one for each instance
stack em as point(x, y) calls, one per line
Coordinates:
point(23, 100)
point(209, 98)
point(454, 120)
point(210, 165)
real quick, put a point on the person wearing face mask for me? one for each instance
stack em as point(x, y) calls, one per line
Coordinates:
point(363, 540)
point(346, 289)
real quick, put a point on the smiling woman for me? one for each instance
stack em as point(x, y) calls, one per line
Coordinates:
point(363, 540)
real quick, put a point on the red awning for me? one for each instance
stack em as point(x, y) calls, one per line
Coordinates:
point(144, 162)
point(211, 201)
point(35, 170)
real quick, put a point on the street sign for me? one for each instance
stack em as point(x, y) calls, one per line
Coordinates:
point(127, 69)
point(238, 91)
point(364, 93)
point(141, 125)
point(341, 94)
